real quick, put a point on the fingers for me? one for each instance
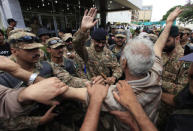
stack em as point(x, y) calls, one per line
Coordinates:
point(85, 12)
point(95, 22)
point(88, 85)
point(51, 102)
point(90, 12)
point(116, 96)
point(116, 113)
point(62, 90)
point(95, 12)
point(51, 109)
point(98, 79)
point(124, 83)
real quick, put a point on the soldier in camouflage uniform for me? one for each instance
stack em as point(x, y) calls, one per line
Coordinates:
point(70, 53)
point(175, 73)
point(97, 58)
point(185, 35)
point(25, 48)
point(120, 40)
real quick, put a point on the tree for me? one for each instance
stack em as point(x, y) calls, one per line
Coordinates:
point(187, 14)
point(169, 11)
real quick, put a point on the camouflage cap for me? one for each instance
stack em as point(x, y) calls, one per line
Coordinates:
point(120, 33)
point(23, 40)
point(54, 42)
point(113, 26)
point(15, 31)
point(66, 36)
point(187, 31)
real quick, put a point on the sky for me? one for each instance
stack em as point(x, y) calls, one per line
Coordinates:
point(160, 7)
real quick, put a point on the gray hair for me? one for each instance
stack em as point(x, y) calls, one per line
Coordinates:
point(140, 56)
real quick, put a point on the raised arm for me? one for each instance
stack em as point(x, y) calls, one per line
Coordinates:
point(161, 41)
point(81, 36)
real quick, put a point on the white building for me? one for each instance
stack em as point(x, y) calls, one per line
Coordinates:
point(119, 16)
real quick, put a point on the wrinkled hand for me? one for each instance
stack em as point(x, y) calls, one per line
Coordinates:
point(97, 92)
point(98, 80)
point(48, 116)
point(8, 65)
point(126, 95)
point(173, 15)
point(125, 117)
point(44, 91)
point(87, 20)
point(110, 80)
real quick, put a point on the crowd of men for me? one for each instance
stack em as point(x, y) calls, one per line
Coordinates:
point(96, 80)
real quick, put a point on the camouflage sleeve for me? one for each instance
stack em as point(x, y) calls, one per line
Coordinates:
point(69, 80)
point(78, 41)
point(20, 123)
point(171, 87)
point(114, 65)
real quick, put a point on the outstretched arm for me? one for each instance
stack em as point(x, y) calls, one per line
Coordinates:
point(161, 41)
point(14, 69)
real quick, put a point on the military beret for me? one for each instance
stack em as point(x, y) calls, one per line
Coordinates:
point(99, 34)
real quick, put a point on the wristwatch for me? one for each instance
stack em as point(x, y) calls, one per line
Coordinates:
point(32, 78)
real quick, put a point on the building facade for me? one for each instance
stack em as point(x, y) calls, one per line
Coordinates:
point(145, 14)
point(58, 14)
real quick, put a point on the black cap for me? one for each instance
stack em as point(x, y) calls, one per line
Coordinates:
point(174, 31)
point(99, 34)
point(43, 31)
point(10, 20)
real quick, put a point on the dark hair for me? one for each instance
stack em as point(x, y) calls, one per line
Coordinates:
point(1, 31)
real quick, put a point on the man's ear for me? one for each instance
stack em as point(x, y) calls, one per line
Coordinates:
point(177, 38)
point(14, 51)
point(123, 63)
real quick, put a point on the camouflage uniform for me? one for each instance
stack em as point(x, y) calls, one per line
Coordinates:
point(96, 63)
point(71, 54)
point(24, 122)
point(79, 63)
point(174, 71)
point(175, 77)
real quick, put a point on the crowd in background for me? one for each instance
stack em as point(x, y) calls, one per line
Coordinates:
point(113, 78)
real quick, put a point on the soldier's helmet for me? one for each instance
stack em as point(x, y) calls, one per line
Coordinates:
point(23, 40)
point(54, 42)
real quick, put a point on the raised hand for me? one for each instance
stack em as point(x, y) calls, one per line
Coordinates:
point(174, 14)
point(88, 19)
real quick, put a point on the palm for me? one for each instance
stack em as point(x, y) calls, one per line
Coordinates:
point(173, 15)
point(87, 20)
